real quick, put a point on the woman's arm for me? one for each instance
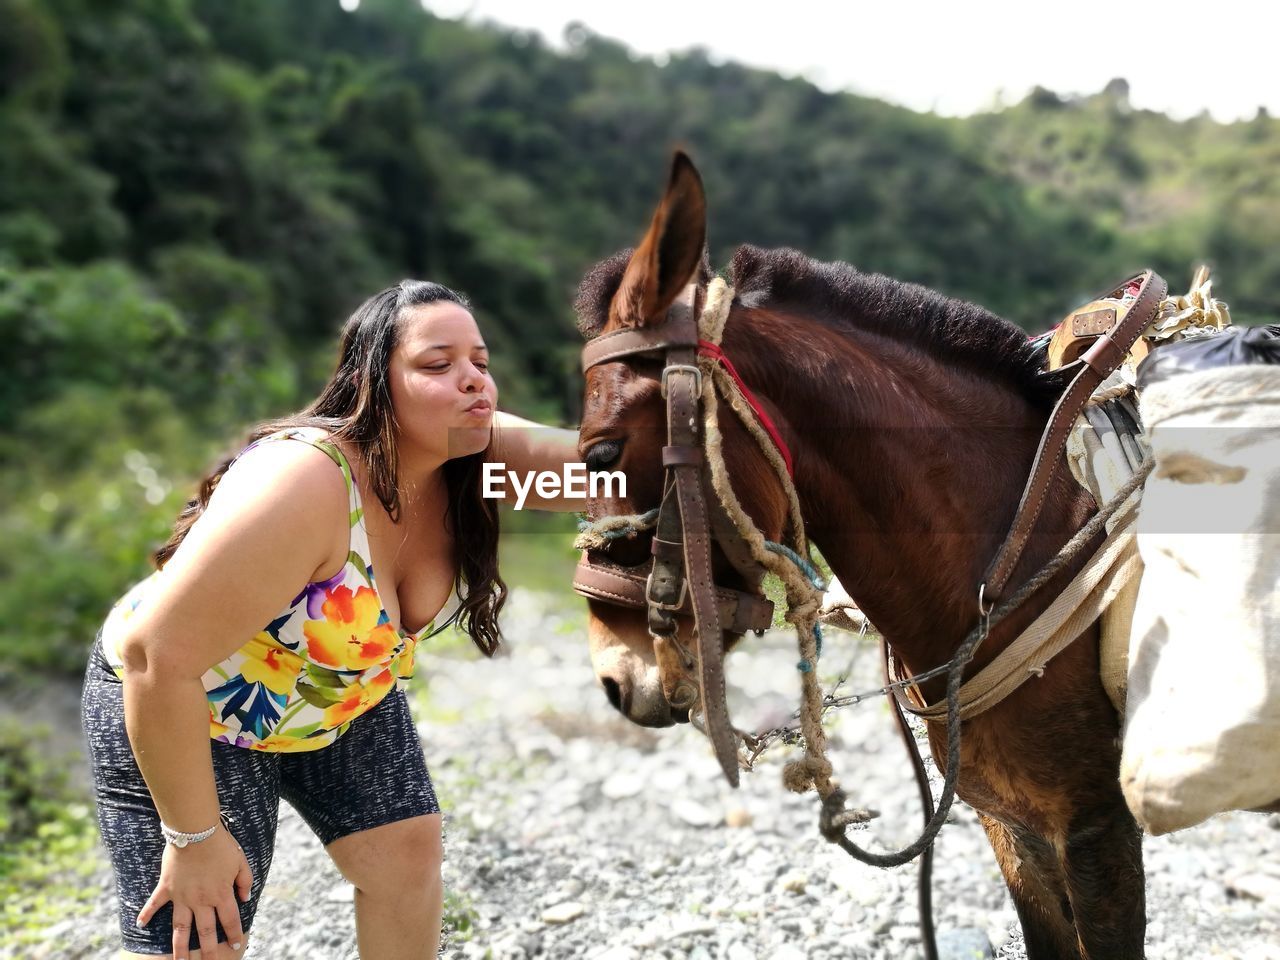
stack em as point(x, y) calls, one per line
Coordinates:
point(527, 449)
point(261, 537)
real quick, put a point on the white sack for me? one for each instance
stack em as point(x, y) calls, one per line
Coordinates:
point(1202, 730)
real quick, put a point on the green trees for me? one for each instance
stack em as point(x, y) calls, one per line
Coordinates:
point(195, 193)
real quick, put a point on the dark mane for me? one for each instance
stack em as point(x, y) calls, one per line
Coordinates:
point(841, 297)
point(596, 291)
point(948, 329)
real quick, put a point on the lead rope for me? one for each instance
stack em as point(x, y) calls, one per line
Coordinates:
point(804, 601)
point(804, 597)
point(815, 769)
point(804, 589)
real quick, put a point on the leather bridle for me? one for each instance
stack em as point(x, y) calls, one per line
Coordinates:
point(679, 580)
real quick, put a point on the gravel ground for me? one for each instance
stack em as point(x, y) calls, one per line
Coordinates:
point(570, 833)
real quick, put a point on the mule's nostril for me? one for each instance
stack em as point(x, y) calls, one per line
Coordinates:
point(613, 691)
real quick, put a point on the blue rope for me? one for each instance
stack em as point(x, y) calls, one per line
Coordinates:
point(815, 578)
point(644, 518)
point(805, 566)
point(804, 666)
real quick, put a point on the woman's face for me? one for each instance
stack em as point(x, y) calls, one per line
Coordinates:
point(441, 389)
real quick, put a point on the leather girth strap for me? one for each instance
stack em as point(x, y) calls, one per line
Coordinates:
point(1097, 363)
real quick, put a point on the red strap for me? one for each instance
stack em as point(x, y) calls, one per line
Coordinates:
point(708, 349)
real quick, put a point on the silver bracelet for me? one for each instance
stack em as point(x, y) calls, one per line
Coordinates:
point(180, 839)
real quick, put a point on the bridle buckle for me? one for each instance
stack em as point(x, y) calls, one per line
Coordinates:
point(682, 368)
point(654, 602)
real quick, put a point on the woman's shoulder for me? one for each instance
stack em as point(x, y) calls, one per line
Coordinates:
point(313, 471)
point(274, 496)
point(316, 437)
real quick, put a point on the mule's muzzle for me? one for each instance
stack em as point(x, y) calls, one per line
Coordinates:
point(613, 691)
point(639, 699)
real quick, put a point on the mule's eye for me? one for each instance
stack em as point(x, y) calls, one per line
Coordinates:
point(602, 454)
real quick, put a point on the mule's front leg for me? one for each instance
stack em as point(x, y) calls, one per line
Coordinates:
point(1033, 873)
point(1103, 867)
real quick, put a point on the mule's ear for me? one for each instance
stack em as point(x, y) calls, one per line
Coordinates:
point(670, 254)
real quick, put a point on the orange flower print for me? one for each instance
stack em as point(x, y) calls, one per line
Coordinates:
point(353, 635)
point(358, 699)
point(403, 664)
point(286, 744)
point(271, 665)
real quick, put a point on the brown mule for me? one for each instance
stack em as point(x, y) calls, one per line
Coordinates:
point(913, 420)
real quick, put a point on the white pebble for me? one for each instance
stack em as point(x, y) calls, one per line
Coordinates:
point(693, 813)
point(344, 893)
point(563, 913)
point(623, 784)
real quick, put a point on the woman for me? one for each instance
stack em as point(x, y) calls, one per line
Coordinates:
point(326, 552)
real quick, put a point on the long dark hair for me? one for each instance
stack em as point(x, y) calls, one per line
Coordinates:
point(355, 406)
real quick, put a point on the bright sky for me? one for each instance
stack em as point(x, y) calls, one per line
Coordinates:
point(953, 57)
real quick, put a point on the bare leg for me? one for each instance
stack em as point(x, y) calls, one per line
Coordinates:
point(395, 870)
point(392, 930)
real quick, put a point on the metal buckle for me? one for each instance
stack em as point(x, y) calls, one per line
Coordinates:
point(984, 610)
point(649, 598)
point(683, 368)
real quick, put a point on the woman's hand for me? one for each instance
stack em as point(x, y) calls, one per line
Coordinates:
point(202, 879)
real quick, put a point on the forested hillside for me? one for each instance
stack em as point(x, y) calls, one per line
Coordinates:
point(195, 193)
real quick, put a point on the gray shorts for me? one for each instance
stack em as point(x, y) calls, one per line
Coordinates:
point(374, 774)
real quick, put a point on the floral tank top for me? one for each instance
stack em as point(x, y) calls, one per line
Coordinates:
point(327, 658)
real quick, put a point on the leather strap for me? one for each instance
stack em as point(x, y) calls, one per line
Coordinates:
point(666, 549)
point(668, 584)
point(680, 332)
point(682, 431)
point(1096, 365)
point(739, 611)
point(666, 587)
point(731, 542)
point(682, 456)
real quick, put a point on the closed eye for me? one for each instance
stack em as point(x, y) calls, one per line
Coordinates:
point(603, 454)
point(481, 365)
